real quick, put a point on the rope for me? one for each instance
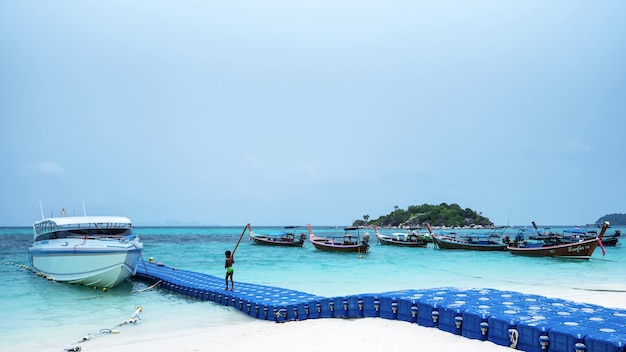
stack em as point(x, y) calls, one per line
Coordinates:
point(134, 318)
point(143, 261)
point(23, 266)
point(513, 337)
point(149, 287)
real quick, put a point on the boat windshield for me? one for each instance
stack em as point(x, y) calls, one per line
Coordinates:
point(49, 229)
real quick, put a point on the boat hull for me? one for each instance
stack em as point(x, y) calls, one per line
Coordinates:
point(578, 250)
point(325, 244)
point(444, 243)
point(611, 240)
point(400, 243)
point(102, 263)
point(269, 241)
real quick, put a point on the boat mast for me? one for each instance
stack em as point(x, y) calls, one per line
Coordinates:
point(41, 209)
point(84, 211)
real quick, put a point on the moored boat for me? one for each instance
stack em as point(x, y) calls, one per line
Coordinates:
point(582, 249)
point(286, 238)
point(350, 241)
point(576, 234)
point(476, 242)
point(612, 240)
point(97, 251)
point(410, 238)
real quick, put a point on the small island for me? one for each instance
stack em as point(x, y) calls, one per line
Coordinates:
point(613, 219)
point(448, 215)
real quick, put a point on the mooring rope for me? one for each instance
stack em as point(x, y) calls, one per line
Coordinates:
point(149, 287)
point(143, 261)
point(134, 318)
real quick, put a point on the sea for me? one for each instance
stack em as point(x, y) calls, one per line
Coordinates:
point(42, 315)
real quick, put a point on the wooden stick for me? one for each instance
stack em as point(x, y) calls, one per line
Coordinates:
point(240, 237)
point(536, 229)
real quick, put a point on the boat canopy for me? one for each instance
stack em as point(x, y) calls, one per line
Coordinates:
point(79, 220)
point(576, 231)
point(52, 225)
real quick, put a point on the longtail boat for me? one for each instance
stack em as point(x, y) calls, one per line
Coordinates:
point(574, 250)
point(409, 239)
point(350, 241)
point(587, 232)
point(286, 238)
point(475, 242)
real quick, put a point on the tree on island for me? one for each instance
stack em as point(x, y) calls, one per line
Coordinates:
point(438, 215)
point(613, 219)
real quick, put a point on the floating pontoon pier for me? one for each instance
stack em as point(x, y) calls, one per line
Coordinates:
point(507, 318)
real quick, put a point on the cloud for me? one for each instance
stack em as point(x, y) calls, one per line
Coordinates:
point(51, 168)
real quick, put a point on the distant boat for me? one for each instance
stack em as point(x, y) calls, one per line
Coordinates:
point(97, 251)
point(286, 238)
point(612, 239)
point(350, 241)
point(473, 241)
point(582, 249)
point(410, 238)
point(576, 234)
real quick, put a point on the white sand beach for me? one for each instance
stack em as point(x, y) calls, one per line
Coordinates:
point(366, 334)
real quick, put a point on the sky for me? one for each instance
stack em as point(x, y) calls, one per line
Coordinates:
point(294, 112)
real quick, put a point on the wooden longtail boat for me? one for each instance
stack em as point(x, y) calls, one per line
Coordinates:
point(575, 250)
point(408, 239)
point(286, 238)
point(468, 243)
point(612, 239)
point(587, 232)
point(474, 242)
point(350, 241)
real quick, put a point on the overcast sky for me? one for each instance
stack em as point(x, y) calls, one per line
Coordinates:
point(295, 112)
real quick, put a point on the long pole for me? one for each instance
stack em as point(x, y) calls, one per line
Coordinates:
point(240, 237)
point(537, 229)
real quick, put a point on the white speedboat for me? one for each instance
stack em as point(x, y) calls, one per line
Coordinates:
point(98, 251)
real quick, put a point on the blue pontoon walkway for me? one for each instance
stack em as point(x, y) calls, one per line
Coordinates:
point(521, 321)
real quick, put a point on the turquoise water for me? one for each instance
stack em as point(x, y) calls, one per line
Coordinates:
point(43, 315)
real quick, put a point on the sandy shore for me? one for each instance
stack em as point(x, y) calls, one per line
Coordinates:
point(365, 334)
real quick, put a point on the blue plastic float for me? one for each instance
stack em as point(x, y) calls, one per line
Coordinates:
point(521, 321)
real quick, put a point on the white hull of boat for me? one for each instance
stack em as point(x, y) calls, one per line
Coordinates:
point(102, 263)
